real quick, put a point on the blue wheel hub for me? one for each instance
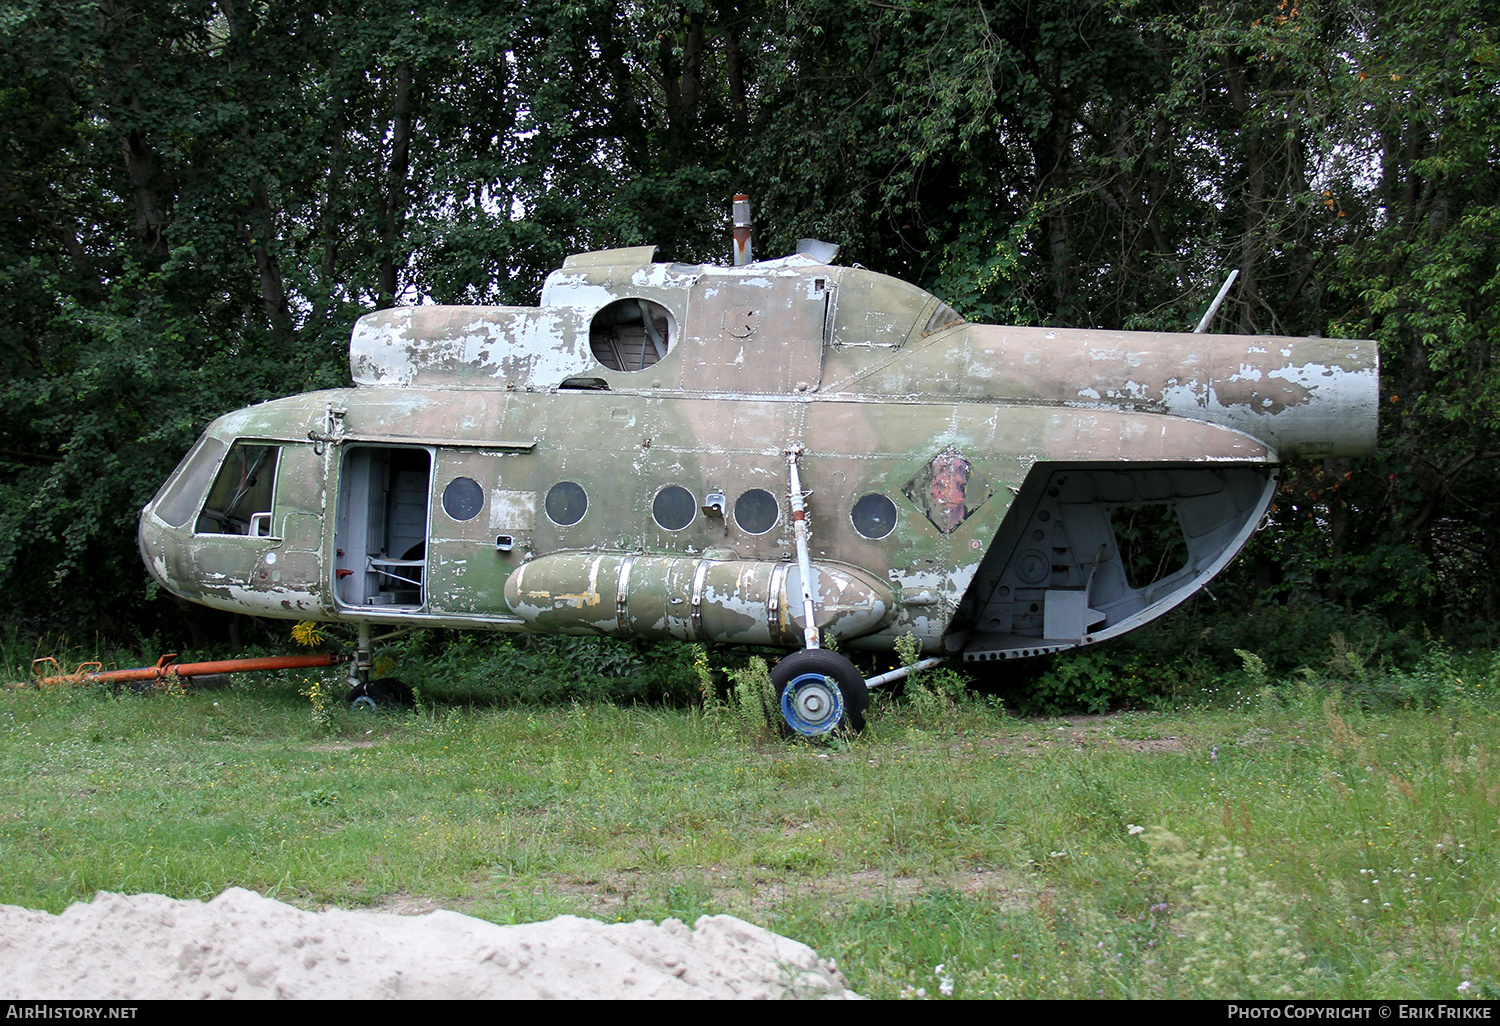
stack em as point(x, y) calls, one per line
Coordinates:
point(812, 704)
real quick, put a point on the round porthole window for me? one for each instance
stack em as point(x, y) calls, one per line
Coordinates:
point(756, 511)
point(463, 498)
point(674, 507)
point(874, 516)
point(566, 504)
point(631, 334)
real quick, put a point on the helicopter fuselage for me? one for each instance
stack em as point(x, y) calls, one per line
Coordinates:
point(616, 461)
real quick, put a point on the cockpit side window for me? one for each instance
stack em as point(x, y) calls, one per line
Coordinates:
point(631, 334)
point(240, 500)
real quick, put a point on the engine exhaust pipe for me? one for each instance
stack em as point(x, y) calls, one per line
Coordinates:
point(742, 254)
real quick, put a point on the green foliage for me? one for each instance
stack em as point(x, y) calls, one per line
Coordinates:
point(1255, 668)
point(1372, 668)
point(1205, 635)
point(753, 698)
point(200, 198)
point(1441, 679)
point(937, 696)
point(459, 666)
point(1094, 680)
point(749, 709)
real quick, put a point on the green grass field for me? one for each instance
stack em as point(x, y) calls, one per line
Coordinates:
point(1290, 844)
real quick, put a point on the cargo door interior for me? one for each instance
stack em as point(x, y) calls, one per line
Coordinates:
point(1088, 552)
point(380, 544)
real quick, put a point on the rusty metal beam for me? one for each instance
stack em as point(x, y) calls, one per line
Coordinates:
point(166, 670)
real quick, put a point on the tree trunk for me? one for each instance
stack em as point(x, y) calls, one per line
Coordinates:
point(272, 290)
point(395, 199)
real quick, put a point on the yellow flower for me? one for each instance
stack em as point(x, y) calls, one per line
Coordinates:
point(307, 633)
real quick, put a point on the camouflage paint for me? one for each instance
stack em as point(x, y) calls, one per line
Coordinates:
point(888, 393)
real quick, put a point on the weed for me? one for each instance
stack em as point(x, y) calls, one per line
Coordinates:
point(708, 687)
point(1255, 669)
point(1318, 843)
point(321, 699)
point(1245, 946)
point(751, 699)
point(908, 649)
point(754, 698)
point(935, 695)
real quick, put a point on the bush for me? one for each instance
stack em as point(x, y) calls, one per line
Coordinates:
point(542, 669)
point(1096, 680)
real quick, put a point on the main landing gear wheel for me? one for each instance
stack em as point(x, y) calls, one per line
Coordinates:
point(818, 690)
point(385, 693)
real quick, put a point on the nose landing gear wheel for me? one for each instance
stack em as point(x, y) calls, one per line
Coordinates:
point(817, 691)
point(385, 693)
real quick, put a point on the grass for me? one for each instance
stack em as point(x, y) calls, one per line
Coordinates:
point(1297, 843)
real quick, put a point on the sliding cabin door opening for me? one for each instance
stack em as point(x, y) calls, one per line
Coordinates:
point(381, 540)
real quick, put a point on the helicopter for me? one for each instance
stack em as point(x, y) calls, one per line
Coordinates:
point(771, 453)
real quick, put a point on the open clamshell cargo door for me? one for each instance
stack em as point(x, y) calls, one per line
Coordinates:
point(1063, 570)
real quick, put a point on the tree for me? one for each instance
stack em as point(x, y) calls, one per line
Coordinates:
point(201, 196)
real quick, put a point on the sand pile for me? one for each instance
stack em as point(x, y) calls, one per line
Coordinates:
point(241, 945)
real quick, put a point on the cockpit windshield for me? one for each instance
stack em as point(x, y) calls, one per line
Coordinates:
point(179, 499)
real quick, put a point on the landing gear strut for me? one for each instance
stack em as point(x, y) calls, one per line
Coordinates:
point(366, 695)
point(816, 690)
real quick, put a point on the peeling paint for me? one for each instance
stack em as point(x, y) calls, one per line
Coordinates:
point(837, 360)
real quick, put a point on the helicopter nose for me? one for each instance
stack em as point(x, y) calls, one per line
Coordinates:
point(162, 550)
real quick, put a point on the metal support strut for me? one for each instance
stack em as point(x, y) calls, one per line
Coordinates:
point(804, 563)
point(364, 657)
point(901, 672)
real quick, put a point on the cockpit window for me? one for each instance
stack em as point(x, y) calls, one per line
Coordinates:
point(943, 317)
point(179, 497)
point(631, 334)
point(240, 500)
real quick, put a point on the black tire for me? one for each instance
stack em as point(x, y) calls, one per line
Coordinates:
point(385, 693)
point(798, 667)
point(398, 691)
point(359, 698)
